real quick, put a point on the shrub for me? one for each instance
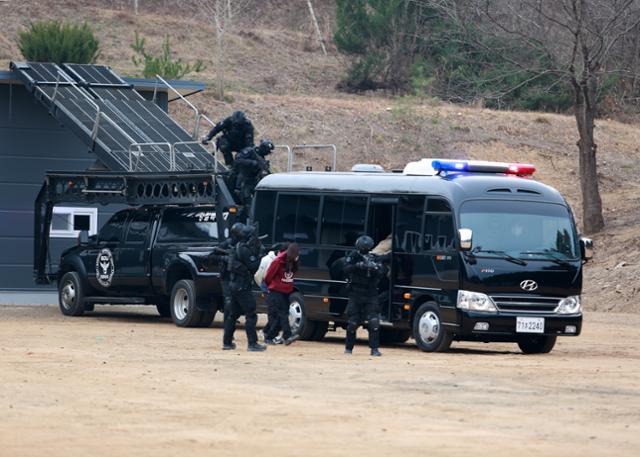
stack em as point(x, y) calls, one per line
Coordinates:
point(53, 41)
point(163, 64)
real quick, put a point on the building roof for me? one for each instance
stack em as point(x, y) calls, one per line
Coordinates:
point(185, 88)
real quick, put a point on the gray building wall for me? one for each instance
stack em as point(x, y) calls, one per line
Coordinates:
point(31, 143)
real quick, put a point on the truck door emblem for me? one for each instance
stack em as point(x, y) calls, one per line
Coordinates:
point(528, 285)
point(104, 267)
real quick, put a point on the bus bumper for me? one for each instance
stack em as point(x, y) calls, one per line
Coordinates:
point(503, 327)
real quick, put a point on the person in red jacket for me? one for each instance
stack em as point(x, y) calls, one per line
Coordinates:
point(279, 281)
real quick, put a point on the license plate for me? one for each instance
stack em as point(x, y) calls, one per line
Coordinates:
point(529, 324)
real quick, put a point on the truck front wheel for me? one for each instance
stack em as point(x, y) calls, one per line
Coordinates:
point(71, 294)
point(183, 304)
point(537, 344)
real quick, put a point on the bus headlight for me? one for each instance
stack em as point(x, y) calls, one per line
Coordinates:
point(475, 301)
point(569, 305)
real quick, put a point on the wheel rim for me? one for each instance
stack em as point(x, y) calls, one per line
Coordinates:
point(429, 327)
point(295, 316)
point(68, 295)
point(181, 304)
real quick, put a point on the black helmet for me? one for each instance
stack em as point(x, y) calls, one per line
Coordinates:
point(265, 148)
point(364, 244)
point(238, 231)
point(238, 116)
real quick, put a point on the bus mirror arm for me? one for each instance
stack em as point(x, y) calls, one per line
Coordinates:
point(586, 248)
point(466, 239)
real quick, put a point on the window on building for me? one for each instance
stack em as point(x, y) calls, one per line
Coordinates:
point(67, 222)
point(297, 218)
point(343, 220)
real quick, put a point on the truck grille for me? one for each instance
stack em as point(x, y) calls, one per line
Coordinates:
point(525, 303)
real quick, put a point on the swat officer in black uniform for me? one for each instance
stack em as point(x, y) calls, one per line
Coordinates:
point(249, 167)
point(244, 262)
point(237, 134)
point(222, 255)
point(363, 271)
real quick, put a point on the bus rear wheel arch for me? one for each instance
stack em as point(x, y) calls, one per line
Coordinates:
point(429, 333)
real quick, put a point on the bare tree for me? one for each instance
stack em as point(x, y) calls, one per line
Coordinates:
point(574, 40)
point(316, 27)
point(221, 15)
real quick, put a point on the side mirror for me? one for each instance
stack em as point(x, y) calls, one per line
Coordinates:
point(586, 248)
point(83, 237)
point(466, 239)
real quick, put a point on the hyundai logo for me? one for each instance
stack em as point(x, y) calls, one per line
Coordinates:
point(528, 285)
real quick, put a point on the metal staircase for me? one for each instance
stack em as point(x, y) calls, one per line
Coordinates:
point(124, 130)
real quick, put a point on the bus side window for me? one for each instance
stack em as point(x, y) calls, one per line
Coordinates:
point(265, 205)
point(297, 218)
point(409, 224)
point(342, 220)
point(438, 228)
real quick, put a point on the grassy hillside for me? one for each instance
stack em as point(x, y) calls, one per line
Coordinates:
point(278, 75)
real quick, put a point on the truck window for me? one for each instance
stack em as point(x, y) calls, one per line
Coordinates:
point(138, 227)
point(343, 219)
point(409, 224)
point(111, 232)
point(297, 218)
point(438, 227)
point(188, 225)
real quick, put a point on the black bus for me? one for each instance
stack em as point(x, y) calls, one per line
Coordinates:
point(479, 251)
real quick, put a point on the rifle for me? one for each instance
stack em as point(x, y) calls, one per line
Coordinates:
point(229, 257)
point(368, 263)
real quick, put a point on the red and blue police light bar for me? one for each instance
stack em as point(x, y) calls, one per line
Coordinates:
point(478, 166)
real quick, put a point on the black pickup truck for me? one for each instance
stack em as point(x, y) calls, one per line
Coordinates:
point(158, 255)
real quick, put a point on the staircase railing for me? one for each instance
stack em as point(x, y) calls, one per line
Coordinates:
point(331, 147)
point(197, 114)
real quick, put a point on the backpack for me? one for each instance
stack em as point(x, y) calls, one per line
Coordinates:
point(265, 262)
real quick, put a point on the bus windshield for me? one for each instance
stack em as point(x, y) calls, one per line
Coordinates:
point(525, 230)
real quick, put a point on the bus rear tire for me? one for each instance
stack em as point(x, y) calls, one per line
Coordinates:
point(428, 331)
point(300, 325)
point(536, 344)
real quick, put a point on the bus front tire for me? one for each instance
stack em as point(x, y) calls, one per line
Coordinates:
point(428, 331)
point(536, 344)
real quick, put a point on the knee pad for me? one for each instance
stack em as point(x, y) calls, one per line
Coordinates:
point(353, 325)
point(374, 324)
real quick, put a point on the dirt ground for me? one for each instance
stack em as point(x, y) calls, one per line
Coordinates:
point(127, 382)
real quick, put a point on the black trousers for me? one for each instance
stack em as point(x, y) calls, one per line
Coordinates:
point(240, 303)
point(278, 312)
point(361, 308)
point(226, 148)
